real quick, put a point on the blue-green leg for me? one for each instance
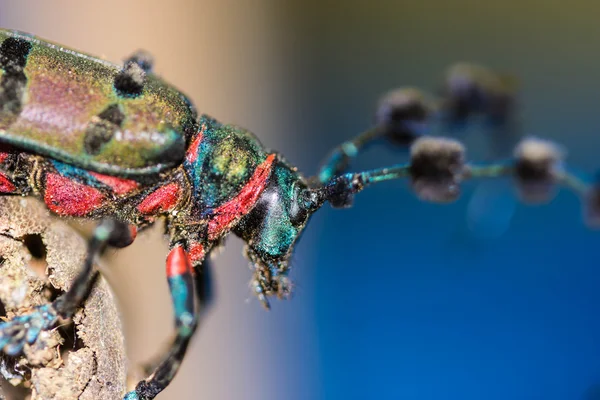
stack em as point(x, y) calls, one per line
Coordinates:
point(181, 285)
point(204, 284)
point(204, 287)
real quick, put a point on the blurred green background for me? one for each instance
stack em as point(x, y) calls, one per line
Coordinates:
point(396, 299)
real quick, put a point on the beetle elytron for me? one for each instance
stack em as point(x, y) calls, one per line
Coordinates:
point(117, 144)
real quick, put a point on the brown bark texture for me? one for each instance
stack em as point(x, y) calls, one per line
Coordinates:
point(80, 359)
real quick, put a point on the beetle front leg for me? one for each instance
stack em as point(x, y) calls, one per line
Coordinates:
point(23, 329)
point(269, 279)
point(263, 287)
point(204, 287)
point(181, 285)
point(204, 284)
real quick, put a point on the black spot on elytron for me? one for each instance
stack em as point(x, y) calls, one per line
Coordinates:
point(113, 114)
point(98, 133)
point(102, 128)
point(129, 82)
point(13, 59)
point(13, 54)
point(143, 59)
point(174, 153)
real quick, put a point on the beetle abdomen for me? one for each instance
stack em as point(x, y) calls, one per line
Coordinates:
point(83, 110)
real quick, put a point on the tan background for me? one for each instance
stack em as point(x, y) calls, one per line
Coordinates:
point(225, 55)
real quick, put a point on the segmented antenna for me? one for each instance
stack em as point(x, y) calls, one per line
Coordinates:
point(438, 165)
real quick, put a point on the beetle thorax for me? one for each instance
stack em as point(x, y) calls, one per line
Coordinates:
point(220, 161)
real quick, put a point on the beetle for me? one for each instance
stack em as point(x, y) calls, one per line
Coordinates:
point(117, 144)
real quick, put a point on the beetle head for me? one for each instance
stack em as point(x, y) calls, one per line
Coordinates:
point(274, 225)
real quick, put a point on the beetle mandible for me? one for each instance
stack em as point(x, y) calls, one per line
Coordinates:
point(117, 144)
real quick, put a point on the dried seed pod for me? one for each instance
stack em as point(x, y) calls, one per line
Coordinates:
point(436, 169)
point(403, 115)
point(471, 89)
point(538, 164)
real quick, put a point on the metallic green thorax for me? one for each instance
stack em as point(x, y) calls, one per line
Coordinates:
point(69, 110)
point(221, 162)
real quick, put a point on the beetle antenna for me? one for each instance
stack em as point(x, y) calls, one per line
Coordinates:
point(437, 167)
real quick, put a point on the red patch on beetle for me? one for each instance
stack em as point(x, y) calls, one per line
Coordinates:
point(178, 262)
point(67, 197)
point(196, 252)
point(118, 185)
point(5, 151)
point(6, 186)
point(226, 214)
point(192, 153)
point(129, 240)
point(161, 200)
point(133, 230)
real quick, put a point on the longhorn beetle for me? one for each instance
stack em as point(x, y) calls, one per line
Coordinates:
point(117, 144)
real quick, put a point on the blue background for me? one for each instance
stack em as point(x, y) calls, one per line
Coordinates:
point(409, 303)
point(396, 298)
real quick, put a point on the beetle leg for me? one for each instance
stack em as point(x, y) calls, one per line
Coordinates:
point(270, 279)
point(14, 173)
point(204, 286)
point(200, 260)
point(23, 329)
point(259, 286)
point(181, 285)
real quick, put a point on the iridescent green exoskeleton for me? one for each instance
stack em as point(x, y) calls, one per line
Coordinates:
point(117, 144)
point(88, 112)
